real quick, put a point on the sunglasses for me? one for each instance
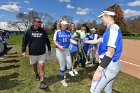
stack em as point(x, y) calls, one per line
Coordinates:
point(39, 21)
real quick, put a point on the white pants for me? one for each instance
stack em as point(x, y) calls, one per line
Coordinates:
point(64, 58)
point(107, 79)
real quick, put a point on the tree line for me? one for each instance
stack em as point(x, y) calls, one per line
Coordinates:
point(49, 23)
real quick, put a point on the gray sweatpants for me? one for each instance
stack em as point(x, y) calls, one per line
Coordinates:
point(107, 79)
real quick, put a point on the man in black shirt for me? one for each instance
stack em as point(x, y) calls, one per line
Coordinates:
point(37, 39)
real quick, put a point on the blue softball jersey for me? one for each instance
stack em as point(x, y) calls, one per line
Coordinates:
point(62, 37)
point(93, 36)
point(113, 38)
point(86, 46)
point(73, 47)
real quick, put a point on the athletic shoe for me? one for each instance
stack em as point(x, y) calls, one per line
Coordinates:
point(88, 62)
point(64, 76)
point(37, 77)
point(1, 58)
point(75, 71)
point(92, 65)
point(71, 73)
point(43, 85)
point(64, 83)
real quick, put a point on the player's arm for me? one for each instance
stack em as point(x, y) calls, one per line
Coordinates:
point(73, 41)
point(111, 46)
point(92, 41)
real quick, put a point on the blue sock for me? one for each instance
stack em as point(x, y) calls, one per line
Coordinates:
point(66, 68)
point(62, 73)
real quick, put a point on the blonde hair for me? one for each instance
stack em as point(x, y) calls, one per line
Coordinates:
point(59, 22)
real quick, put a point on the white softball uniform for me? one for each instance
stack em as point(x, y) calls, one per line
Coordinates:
point(63, 39)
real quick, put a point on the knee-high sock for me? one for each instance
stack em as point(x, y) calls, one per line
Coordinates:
point(62, 73)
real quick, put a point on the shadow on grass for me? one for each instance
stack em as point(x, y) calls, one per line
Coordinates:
point(46, 90)
point(9, 81)
point(11, 56)
point(52, 79)
point(9, 67)
point(8, 49)
point(10, 61)
point(115, 91)
point(78, 78)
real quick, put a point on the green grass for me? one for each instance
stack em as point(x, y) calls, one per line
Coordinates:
point(15, 40)
point(132, 37)
point(17, 76)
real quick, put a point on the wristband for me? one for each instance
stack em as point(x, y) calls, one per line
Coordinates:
point(105, 61)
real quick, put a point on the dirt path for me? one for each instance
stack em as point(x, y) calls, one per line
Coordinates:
point(131, 57)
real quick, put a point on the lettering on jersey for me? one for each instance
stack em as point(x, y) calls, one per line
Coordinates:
point(36, 34)
point(63, 35)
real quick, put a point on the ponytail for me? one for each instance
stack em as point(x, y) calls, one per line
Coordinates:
point(119, 17)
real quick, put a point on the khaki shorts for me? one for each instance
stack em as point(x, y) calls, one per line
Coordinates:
point(38, 58)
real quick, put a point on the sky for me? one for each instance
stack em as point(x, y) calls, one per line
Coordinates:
point(78, 9)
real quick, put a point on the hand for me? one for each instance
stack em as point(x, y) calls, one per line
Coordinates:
point(62, 48)
point(49, 53)
point(91, 49)
point(84, 40)
point(24, 54)
point(98, 73)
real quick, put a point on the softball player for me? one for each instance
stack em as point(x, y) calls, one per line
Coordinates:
point(73, 49)
point(85, 46)
point(110, 50)
point(93, 47)
point(62, 41)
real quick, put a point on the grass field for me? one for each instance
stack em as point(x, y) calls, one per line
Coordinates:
point(16, 76)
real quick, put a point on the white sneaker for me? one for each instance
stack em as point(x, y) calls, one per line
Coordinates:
point(92, 65)
point(64, 76)
point(64, 83)
point(1, 58)
point(88, 62)
point(71, 73)
point(75, 71)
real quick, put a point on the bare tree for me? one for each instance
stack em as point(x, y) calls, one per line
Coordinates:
point(26, 18)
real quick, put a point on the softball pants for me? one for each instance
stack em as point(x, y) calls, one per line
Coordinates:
point(107, 79)
point(64, 59)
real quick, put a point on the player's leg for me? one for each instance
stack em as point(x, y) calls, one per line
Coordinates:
point(93, 56)
point(114, 71)
point(61, 59)
point(107, 78)
point(108, 88)
point(72, 58)
point(68, 59)
point(75, 63)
